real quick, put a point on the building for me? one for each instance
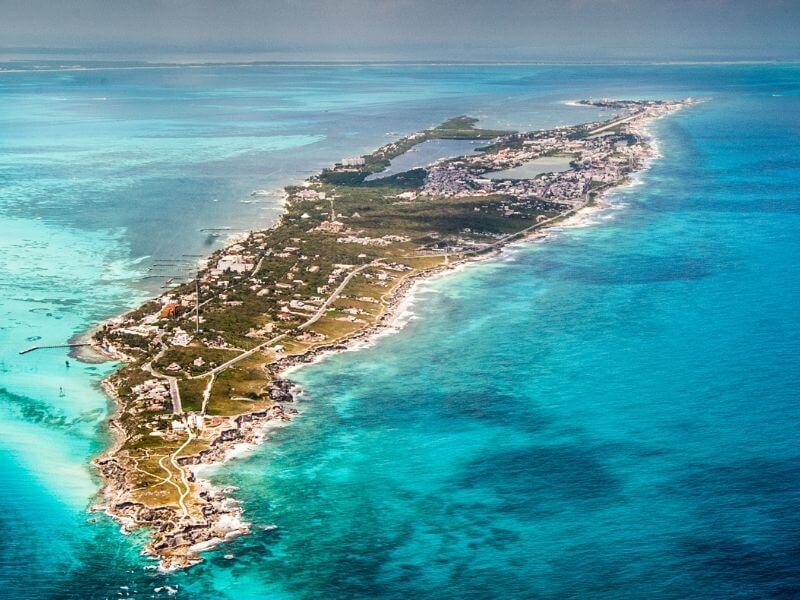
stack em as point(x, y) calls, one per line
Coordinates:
point(196, 421)
point(331, 226)
point(234, 263)
point(169, 310)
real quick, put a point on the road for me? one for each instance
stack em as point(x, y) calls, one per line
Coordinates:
point(521, 233)
point(218, 369)
point(314, 318)
point(169, 479)
point(176, 397)
point(173, 459)
point(175, 394)
point(174, 390)
point(335, 294)
point(615, 123)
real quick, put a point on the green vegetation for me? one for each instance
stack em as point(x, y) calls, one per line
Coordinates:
point(192, 393)
point(457, 128)
point(463, 128)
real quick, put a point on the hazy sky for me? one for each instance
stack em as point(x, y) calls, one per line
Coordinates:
point(414, 29)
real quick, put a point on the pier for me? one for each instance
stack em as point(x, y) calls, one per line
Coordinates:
point(48, 346)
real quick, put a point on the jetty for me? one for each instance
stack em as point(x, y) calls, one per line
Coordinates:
point(49, 346)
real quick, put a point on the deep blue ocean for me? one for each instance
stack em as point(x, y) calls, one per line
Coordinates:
point(613, 412)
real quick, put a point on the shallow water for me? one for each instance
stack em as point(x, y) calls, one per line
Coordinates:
point(609, 414)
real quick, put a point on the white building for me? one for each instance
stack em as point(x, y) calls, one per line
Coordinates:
point(233, 263)
point(196, 421)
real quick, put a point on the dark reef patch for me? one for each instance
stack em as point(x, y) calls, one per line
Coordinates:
point(639, 269)
point(38, 412)
point(543, 479)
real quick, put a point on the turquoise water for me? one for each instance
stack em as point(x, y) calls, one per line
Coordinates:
point(610, 413)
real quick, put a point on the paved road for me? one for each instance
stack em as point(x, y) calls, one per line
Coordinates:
point(614, 123)
point(174, 391)
point(175, 394)
point(314, 318)
point(335, 294)
point(242, 356)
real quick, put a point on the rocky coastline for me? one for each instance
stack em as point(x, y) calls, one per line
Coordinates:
point(177, 540)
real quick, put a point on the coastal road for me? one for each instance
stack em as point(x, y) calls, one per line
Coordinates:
point(521, 233)
point(332, 298)
point(175, 392)
point(527, 230)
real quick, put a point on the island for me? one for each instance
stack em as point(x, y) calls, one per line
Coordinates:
point(203, 366)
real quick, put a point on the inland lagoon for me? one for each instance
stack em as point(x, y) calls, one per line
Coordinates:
point(539, 166)
point(426, 153)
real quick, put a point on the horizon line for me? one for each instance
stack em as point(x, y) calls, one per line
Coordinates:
point(129, 64)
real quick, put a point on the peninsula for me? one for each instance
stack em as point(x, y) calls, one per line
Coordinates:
point(203, 363)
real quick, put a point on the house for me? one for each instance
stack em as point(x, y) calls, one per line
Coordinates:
point(169, 310)
point(331, 226)
point(236, 264)
point(181, 338)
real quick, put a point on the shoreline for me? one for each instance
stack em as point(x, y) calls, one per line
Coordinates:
point(224, 515)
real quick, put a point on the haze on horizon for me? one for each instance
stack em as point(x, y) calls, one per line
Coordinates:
point(406, 29)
